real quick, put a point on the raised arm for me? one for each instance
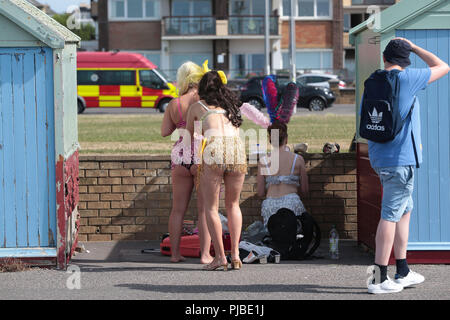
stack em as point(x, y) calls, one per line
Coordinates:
point(167, 125)
point(438, 67)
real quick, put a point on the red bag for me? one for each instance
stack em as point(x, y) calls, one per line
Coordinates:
point(190, 245)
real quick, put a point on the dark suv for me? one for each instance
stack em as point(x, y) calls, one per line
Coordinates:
point(314, 98)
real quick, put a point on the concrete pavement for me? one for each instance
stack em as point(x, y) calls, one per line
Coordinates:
point(118, 270)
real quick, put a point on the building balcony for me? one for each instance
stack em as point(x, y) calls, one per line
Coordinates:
point(369, 2)
point(251, 25)
point(189, 26)
point(209, 27)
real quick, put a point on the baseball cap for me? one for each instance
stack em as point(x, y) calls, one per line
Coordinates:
point(397, 52)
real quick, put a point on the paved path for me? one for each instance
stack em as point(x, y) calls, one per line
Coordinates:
point(113, 270)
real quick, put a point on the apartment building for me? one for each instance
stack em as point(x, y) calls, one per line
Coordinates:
point(356, 12)
point(229, 33)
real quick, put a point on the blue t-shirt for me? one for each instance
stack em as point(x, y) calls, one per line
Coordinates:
point(400, 151)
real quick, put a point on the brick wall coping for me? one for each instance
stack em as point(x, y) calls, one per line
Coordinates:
point(128, 157)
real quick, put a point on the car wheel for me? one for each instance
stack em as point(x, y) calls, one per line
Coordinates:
point(81, 107)
point(162, 106)
point(256, 102)
point(317, 104)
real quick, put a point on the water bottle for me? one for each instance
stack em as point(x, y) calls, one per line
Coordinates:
point(334, 243)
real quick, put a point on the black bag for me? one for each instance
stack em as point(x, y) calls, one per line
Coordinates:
point(380, 111)
point(294, 237)
point(380, 115)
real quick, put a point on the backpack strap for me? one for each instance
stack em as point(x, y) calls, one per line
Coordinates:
point(412, 134)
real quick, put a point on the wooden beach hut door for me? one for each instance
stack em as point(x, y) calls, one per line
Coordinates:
point(430, 220)
point(27, 153)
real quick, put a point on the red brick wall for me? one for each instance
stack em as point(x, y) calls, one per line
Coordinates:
point(309, 34)
point(129, 197)
point(141, 35)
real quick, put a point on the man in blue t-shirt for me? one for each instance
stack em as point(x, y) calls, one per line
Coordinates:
point(394, 163)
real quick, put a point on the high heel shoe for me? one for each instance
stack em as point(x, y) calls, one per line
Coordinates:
point(236, 264)
point(211, 267)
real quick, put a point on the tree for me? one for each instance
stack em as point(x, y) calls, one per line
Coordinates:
point(85, 32)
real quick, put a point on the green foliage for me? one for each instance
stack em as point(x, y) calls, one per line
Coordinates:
point(86, 31)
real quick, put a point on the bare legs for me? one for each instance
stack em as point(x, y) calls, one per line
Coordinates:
point(401, 237)
point(233, 187)
point(392, 234)
point(182, 185)
point(210, 182)
point(205, 237)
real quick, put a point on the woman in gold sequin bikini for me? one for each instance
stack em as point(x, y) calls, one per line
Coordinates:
point(223, 157)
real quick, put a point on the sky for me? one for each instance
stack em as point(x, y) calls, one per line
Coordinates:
point(61, 6)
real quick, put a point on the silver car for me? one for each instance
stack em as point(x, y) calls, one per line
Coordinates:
point(319, 80)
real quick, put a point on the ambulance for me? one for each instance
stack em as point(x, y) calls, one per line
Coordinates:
point(122, 80)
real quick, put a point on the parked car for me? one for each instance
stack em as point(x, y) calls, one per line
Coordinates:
point(314, 98)
point(319, 80)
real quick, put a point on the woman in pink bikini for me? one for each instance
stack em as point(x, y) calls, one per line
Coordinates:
point(184, 168)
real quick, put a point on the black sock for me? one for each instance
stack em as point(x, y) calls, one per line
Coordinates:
point(402, 267)
point(383, 273)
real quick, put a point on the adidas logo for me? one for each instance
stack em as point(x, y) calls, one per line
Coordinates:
point(376, 117)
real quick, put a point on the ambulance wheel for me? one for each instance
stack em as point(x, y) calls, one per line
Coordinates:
point(317, 104)
point(81, 107)
point(162, 106)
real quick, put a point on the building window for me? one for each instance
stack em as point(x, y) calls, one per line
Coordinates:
point(135, 9)
point(243, 65)
point(347, 22)
point(286, 7)
point(310, 60)
point(187, 8)
point(118, 8)
point(310, 9)
point(248, 7)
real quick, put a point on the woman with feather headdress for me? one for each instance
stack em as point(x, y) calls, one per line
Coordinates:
point(280, 183)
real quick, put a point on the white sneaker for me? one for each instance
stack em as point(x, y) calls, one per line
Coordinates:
point(387, 286)
point(411, 279)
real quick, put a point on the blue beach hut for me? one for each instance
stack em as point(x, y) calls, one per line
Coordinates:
point(38, 136)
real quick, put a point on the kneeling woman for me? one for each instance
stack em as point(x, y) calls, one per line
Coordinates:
point(281, 188)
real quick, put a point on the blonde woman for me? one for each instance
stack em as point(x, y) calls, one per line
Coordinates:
point(184, 169)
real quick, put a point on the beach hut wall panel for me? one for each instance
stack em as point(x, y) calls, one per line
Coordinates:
point(38, 136)
point(426, 23)
point(27, 160)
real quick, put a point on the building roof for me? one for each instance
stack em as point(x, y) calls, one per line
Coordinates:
point(113, 60)
point(37, 23)
point(396, 15)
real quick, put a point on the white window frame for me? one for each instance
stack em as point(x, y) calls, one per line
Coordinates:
point(144, 7)
point(315, 17)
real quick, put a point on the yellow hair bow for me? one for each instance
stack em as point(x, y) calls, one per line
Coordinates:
point(222, 75)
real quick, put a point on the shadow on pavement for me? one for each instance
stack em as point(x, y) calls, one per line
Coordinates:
point(254, 288)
